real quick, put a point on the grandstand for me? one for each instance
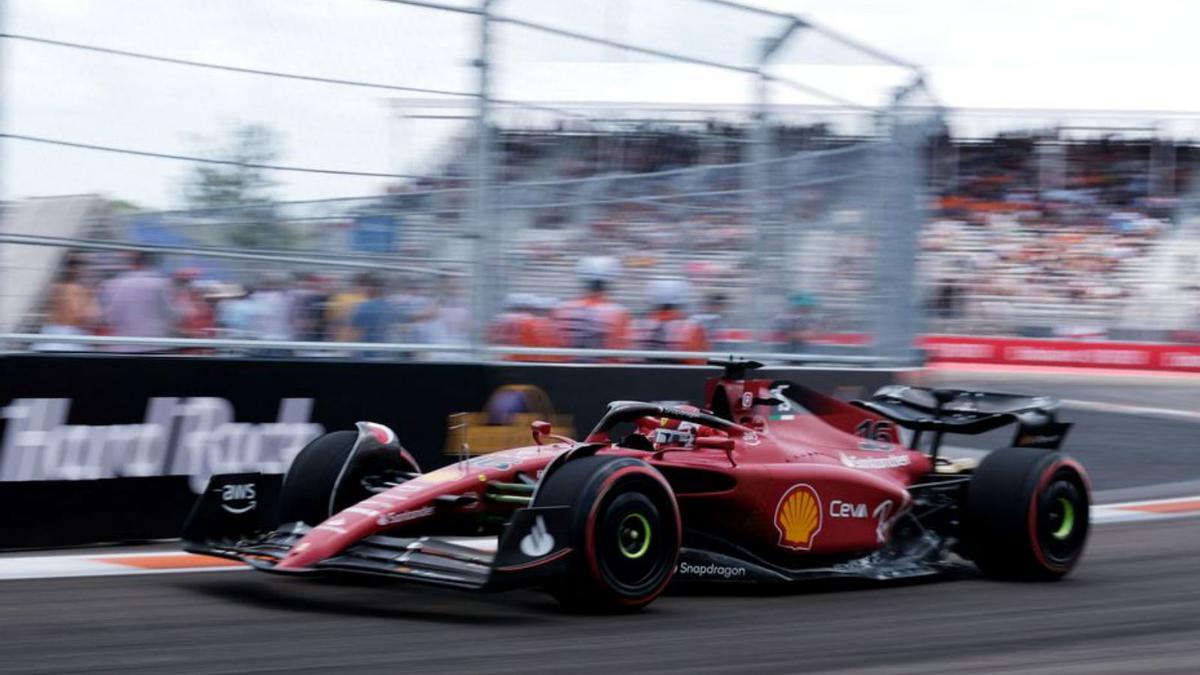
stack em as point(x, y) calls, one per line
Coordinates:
point(1010, 247)
point(1078, 247)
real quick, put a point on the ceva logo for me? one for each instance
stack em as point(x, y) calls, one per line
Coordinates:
point(841, 509)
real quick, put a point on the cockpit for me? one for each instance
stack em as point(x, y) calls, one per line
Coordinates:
point(654, 428)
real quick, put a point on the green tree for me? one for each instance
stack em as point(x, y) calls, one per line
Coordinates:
point(240, 192)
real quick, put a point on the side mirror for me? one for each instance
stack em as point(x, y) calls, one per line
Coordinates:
point(715, 443)
point(541, 429)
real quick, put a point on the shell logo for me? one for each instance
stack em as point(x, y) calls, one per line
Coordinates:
point(798, 517)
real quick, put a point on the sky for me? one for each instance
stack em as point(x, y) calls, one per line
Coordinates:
point(1098, 55)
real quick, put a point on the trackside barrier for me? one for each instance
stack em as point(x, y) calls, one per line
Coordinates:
point(1069, 353)
point(938, 348)
point(102, 448)
point(444, 351)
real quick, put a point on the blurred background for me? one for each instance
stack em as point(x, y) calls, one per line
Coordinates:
point(523, 179)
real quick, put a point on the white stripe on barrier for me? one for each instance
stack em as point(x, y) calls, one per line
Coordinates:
point(1127, 409)
point(72, 566)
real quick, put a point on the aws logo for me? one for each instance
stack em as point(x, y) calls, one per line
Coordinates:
point(798, 517)
point(239, 498)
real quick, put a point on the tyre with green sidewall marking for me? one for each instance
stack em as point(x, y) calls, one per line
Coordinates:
point(625, 532)
point(1026, 514)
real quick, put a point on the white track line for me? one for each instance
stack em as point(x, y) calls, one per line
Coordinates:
point(1126, 409)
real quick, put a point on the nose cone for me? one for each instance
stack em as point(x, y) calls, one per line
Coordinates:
point(327, 539)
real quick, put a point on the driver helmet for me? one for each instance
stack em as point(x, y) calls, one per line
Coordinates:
point(667, 431)
point(676, 433)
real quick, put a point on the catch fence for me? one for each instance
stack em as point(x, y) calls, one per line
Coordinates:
point(753, 202)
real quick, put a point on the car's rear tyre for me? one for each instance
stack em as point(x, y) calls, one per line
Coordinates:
point(1027, 512)
point(625, 533)
point(323, 479)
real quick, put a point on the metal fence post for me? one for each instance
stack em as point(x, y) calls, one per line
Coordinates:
point(768, 242)
point(484, 256)
point(5, 288)
point(899, 172)
point(756, 195)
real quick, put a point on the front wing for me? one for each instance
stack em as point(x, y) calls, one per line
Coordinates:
point(252, 537)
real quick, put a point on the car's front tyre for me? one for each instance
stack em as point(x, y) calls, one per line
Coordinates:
point(625, 532)
point(328, 475)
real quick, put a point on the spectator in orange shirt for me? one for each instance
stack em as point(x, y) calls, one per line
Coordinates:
point(513, 327)
point(547, 333)
point(668, 328)
point(593, 321)
point(526, 322)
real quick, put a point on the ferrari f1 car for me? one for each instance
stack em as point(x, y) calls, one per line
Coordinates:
point(768, 483)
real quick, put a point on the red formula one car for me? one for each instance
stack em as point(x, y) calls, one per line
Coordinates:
point(769, 482)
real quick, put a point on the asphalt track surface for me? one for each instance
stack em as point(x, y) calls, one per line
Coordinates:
point(1132, 606)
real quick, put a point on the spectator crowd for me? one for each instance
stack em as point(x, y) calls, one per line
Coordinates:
point(1018, 219)
point(142, 302)
point(1028, 224)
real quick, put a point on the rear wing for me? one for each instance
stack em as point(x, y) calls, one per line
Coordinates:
point(958, 411)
